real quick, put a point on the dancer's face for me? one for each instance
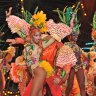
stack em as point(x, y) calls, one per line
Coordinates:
point(73, 38)
point(36, 37)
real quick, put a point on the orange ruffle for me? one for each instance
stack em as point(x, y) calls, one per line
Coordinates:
point(50, 52)
point(17, 72)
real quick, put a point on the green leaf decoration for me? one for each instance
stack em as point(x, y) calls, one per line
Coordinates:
point(60, 14)
point(57, 11)
point(32, 46)
point(28, 45)
point(64, 17)
point(77, 27)
point(94, 21)
point(27, 16)
point(68, 14)
point(76, 9)
point(21, 34)
point(45, 41)
point(36, 9)
point(63, 74)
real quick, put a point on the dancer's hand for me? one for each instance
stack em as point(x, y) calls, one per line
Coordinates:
point(8, 67)
point(72, 21)
point(11, 41)
point(8, 13)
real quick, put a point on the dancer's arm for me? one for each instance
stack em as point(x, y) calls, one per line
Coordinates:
point(47, 42)
point(8, 13)
point(16, 41)
point(17, 25)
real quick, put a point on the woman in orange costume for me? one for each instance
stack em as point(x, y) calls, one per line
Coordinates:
point(49, 55)
point(40, 69)
point(49, 58)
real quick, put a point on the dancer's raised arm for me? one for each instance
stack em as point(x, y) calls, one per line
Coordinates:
point(8, 13)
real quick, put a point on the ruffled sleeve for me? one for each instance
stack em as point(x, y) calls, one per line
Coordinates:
point(17, 25)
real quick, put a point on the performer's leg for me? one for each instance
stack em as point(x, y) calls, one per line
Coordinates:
point(40, 92)
point(38, 81)
point(70, 82)
point(95, 85)
point(81, 81)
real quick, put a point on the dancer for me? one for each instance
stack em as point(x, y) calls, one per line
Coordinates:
point(5, 57)
point(53, 46)
point(78, 68)
point(91, 72)
point(32, 51)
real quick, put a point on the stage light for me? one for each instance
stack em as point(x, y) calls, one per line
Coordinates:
point(73, 6)
point(82, 7)
point(5, 94)
point(85, 14)
point(22, 7)
point(8, 92)
point(81, 4)
point(21, 0)
point(8, 78)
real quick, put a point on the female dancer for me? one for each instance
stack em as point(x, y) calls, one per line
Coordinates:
point(32, 52)
point(78, 68)
point(5, 57)
point(91, 75)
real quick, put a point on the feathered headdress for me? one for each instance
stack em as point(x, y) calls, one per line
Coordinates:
point(94, 27)
point(69, 16)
